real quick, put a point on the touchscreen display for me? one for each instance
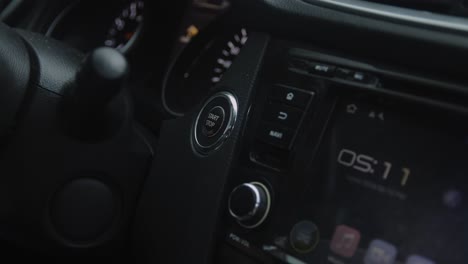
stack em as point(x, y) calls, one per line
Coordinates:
point(397, 181)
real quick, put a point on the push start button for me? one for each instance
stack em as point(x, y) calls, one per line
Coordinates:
point(215, 122)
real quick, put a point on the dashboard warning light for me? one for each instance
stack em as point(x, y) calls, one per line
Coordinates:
point(190, 32)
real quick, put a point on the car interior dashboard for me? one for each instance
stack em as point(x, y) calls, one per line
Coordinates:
point(234, 131)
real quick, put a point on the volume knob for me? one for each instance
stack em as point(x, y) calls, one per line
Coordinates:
point(250, 204)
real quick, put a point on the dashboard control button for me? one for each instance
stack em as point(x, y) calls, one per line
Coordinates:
point(299, 64)
point(321, 69)
point(283, 114)
point(214, 122)
point(250, 204)
point(345, 74)
point(292, 96)
point(364, 78)
point(304, 237)
point(244, 202)
point(360, 76)
point(276, 135)
point(269, 157)
point(355, 76)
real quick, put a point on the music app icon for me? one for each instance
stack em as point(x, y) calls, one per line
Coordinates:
point(345, 241)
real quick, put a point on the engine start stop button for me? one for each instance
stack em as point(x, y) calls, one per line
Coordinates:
point(215, 122)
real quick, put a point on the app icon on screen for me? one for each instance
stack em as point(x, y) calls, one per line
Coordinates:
point(415, 259)
point(345, 241)
point(380, 252)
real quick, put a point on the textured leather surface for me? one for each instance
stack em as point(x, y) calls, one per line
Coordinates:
point(180, 206)
point(56, 63)
point(14, 77)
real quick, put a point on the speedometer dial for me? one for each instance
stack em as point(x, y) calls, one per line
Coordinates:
point(126, 27)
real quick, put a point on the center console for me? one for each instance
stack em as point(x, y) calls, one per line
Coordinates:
point(314, 154)
point(345, 162)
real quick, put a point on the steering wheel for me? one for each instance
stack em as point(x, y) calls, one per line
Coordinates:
point(72, 159)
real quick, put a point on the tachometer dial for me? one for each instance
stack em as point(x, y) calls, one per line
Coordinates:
point(201, 66)
point(228, 54)
point(126, 26)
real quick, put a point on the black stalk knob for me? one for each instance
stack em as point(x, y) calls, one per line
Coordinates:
point(88, 111)
point(100, 79)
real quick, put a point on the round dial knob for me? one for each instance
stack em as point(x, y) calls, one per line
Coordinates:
point(250, 204)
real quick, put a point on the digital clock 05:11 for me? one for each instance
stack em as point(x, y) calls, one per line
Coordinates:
point(369, 165)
